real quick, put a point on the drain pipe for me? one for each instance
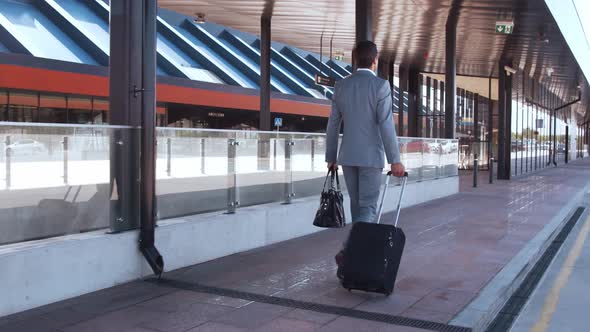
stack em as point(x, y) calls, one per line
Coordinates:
point(148, 141)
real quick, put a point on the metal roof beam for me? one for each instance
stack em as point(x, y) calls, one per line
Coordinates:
point(223, 51)
point(63, 20)
point(209, 62)
point(8, 38)
point(284, 76)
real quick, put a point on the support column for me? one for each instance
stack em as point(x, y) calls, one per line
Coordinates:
point(567, 143)
point(451, 71)
point(413, 102)
point(125, 77)
point(265, 115)
point(476, 118)
point(390, 75)
point(504, 123)
point(133, 103)
point(363, 23)
point(265, 36)
point(429, 111)
point(490, 137)
point(436, 110)
point(383, 68)
point(364, 20)
point(403, 87)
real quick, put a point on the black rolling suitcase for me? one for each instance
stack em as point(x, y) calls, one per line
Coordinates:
point(374, 251)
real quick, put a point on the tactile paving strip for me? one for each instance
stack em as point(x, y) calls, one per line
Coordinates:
point(322, 308)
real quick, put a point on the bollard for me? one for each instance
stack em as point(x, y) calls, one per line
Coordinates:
point(491, 168)
point(202, 156)
point(475, 168)
point(8, 152)
point(289, 194)
point(169, 156)
point(65, 150)
point(232, 177)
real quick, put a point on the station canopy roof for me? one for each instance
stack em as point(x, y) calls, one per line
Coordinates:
point(412, 33)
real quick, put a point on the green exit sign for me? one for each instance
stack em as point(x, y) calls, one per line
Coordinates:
point(504, 27)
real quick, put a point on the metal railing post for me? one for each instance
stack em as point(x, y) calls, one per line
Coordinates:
point(274, 156)
point(8, 152)
point(289, 194)
point(202, 156)
point(65, 156)
point(232, 188)
point(475, 169)
point(312, 155)
point(491, 167)
point(169, 156)
point(421, 169)
point(439, 172)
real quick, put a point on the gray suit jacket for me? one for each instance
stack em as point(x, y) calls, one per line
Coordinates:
point(363, 102)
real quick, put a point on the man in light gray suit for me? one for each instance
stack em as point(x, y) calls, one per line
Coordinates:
point(363, 102)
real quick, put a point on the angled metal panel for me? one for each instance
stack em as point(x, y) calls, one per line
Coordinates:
point(63, 20)
point(325, 68)
point(338, 68)
point(298, 72)
point(98, 7)
point(300, 61)
point(210, 63)
point(301, 74)
point(249, 52)
point(284, 75)
point(222, 50)
point(9, 40)
point(167, 65)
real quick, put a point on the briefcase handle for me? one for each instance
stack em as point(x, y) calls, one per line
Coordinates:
point(401, 196)
point(332, 173)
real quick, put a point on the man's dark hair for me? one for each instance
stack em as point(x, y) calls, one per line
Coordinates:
point(365, 53)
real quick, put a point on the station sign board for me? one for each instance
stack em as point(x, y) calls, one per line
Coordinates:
point(324, 80)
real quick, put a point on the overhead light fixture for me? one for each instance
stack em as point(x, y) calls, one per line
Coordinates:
point(200, 18)
point(509, 70)
point(542, 37)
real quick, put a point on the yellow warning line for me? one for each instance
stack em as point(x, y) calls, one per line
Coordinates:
point(552, 298)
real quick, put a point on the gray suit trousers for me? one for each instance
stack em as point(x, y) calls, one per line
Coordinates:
point(364, 185)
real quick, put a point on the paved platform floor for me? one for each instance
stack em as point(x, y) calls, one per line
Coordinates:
point(454, 247)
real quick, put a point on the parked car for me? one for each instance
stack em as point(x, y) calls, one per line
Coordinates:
point(26, 147)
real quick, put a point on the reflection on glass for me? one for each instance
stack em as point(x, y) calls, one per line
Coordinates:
point(196, 169)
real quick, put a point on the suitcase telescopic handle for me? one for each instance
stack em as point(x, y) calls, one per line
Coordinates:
point(384, 193)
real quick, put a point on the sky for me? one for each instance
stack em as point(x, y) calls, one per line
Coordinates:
point(573, 19)
point(583, 8)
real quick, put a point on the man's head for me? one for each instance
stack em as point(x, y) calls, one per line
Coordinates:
point(365, 55)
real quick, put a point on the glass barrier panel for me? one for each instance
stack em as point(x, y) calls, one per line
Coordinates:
point(430, 159)
point(196, 180)
point(262, 170)
point(309, 168)
point(449, 153)
point(411, 156)
point(54, 179)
